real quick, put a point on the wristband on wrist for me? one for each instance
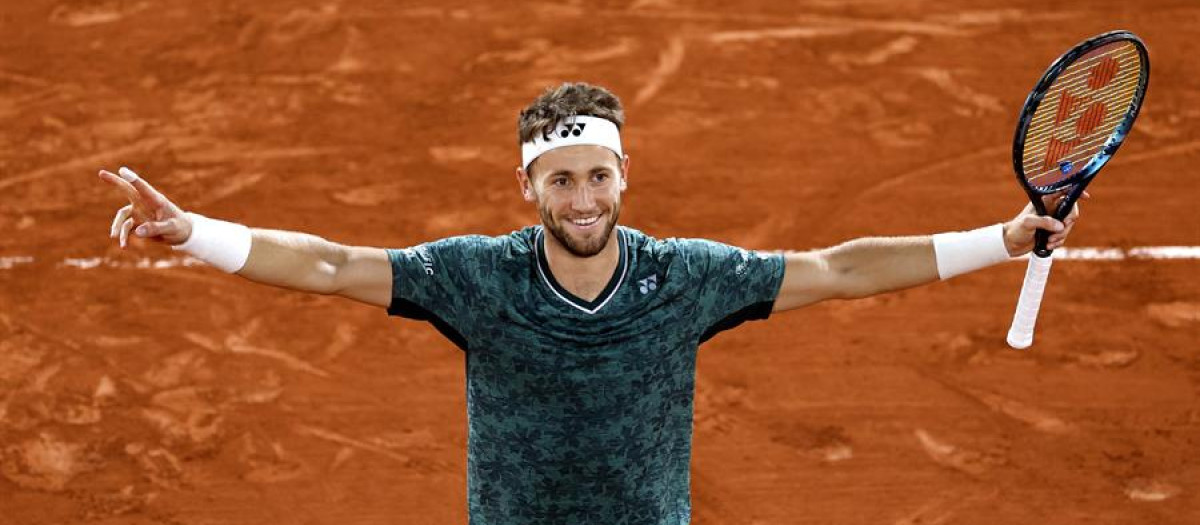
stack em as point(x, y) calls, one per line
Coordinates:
point(961, 252)
point(225, 245)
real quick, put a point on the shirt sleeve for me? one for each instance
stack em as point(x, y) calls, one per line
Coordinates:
point(438, 281)
point(730, 285)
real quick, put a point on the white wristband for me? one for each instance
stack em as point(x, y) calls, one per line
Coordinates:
point(961, 252)
point(225, 245)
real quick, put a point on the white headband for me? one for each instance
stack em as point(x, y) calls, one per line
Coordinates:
point(573, 131)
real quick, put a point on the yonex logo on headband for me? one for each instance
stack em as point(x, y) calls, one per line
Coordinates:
point(574, 131)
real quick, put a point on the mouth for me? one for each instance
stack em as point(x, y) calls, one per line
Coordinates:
point(585, 223)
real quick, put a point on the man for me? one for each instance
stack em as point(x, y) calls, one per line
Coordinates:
point(580, 336)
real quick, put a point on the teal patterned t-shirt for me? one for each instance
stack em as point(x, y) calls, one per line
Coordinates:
point(580, 412)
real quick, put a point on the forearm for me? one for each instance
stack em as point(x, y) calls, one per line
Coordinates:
point(293, 260)
point(875, 265)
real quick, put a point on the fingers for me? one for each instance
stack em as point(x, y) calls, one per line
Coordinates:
point(143, 188)
point(130, 192)
point(154, 229)
point(124, 233)
point(122, 214)
point(135, 188)
point(1043, 222)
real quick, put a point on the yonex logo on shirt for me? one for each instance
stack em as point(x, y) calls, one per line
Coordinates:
point(648, 284)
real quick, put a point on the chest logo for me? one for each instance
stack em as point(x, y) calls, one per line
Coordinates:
point(648, 284)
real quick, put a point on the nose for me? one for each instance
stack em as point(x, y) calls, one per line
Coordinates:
point(583, 200)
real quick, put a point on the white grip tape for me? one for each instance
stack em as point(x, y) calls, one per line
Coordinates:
point(1020, 335)
point(225, 245)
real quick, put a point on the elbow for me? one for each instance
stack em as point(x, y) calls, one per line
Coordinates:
point(326, 274)
point(848, 277)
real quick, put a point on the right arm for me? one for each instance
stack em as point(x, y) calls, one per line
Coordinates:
point(292, 260)
point(307, 263)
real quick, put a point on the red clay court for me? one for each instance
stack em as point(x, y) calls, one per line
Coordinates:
point(135, 389)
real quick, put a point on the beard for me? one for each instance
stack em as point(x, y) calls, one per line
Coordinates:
point(581, 247)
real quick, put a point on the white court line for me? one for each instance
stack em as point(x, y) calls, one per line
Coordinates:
point(1120, 254)
point(88, 263)
point(1062, 254)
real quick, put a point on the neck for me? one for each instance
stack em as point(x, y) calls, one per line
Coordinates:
point(582, 276)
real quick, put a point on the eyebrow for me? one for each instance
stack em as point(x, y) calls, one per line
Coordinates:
point(568, 173)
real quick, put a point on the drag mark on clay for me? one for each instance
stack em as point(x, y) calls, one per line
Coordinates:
point(943, 79)
point(236, 344)
point(967, 461)
point(87, 163)
point(228, 186)
point(1185, 148)
point(793, 27)
point(334, 437)
point(1040, 419)
point(785, 33)
point(83, 14)
point(1148, 489)
point(669, 61)
point(878, 56)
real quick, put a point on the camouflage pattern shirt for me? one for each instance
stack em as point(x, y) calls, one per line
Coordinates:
point(580, 412)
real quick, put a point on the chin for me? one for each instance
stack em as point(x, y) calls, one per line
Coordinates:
point(588, 246)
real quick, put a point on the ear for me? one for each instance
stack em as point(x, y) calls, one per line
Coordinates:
point(624, 172)
point(525, 184)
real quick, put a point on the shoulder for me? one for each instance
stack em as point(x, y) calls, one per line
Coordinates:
point(466, 249)
point(698, 255)
point(669, 251)
point(671, 248)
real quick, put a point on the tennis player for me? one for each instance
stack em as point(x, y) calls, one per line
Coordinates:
point(579, 335)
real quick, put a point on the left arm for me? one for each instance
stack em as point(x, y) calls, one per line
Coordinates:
point(874, 265)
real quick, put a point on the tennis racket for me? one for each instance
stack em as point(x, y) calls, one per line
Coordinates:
point(1073, 121)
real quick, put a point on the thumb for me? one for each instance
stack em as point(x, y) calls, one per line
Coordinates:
point(173, 230)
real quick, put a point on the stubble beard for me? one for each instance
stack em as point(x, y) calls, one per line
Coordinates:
point(579, 247)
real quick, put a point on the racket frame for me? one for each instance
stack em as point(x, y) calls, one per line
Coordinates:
point(1076, 183)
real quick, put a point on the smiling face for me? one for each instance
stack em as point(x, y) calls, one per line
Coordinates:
point(577, 190)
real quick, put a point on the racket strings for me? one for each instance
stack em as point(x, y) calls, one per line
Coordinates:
point(1074, 78)
point(1085, 105)
point(1114, 105)
point(1044, 120)
point(1048, 160)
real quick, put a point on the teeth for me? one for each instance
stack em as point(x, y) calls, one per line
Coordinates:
point(586, 222)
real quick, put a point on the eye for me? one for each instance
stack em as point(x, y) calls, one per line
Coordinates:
point(559, 181)
point(601, 177)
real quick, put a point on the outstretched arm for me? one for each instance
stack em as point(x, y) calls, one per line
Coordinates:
point(293, 260)
point(875, 265)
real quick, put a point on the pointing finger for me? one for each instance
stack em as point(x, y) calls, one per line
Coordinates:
point(122, 214)
point(125, 187)
point(144, 188)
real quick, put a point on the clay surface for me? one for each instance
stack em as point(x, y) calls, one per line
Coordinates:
point(135, 389)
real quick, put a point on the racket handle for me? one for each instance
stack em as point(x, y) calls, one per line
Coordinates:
point(1020, 335)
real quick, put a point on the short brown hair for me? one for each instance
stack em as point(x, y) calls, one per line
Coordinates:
point(568, 100)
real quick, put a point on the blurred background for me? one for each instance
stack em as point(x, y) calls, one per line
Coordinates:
point(138, 387)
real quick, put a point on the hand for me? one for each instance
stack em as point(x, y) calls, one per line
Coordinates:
point(149, 214)
point(1019, 232)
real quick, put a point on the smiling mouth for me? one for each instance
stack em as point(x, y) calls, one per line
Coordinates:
point(586, 222)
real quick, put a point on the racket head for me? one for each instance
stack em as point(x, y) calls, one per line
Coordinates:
point(1078, 115)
